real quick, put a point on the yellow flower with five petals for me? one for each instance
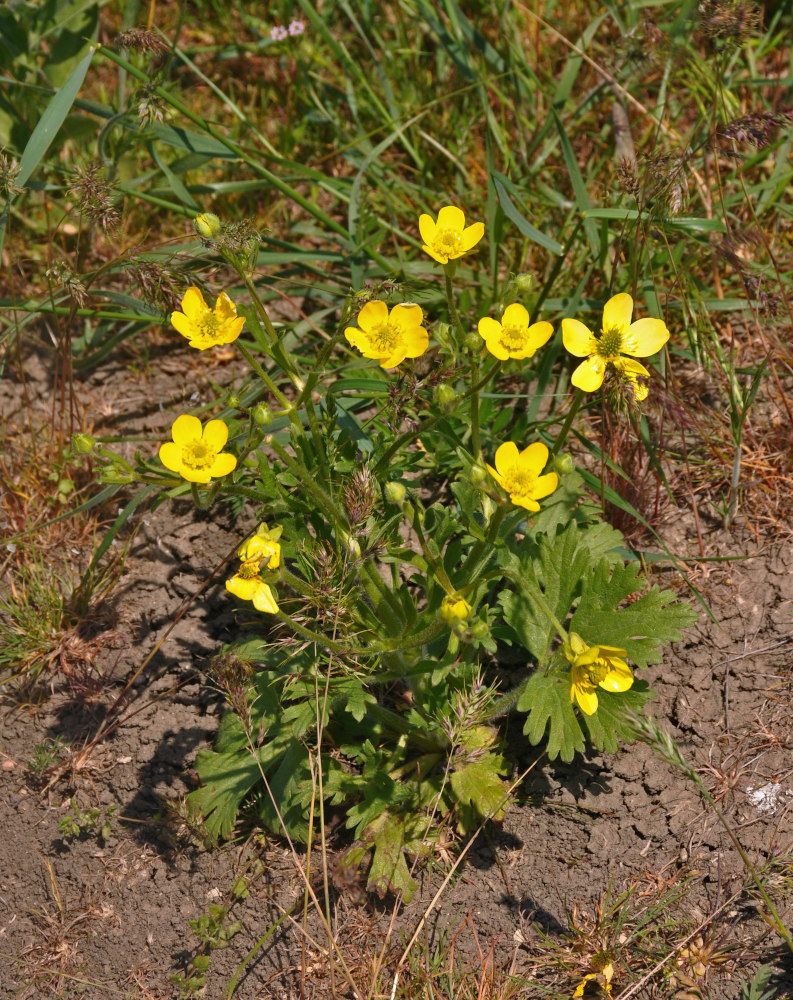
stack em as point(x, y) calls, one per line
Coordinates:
point(618, 337)
point(449, 237)
point(519, 473)
point(204, 327)
point(263, 548)
point(592, 667)
point(389, 337)
point(196, 452)
point(513, 337)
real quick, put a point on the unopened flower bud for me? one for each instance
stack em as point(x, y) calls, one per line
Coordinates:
point(445, 396)
point(454, 609)
point(563, 463)
point(119, 473)
point(478, 475)
point(83, 444)
point(395, 492)
point(233, 402)
point(262, 415)
point(473, 342)
point(479, 630)
point(524, 282)
point(207, 225)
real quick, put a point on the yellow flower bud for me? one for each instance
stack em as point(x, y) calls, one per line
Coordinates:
point(454, 609)
point(207, 225)
point(395, 492)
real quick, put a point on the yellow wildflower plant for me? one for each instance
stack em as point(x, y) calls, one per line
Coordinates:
point(449, 238)
point(518, 472)
point(592, 667)
point(196, 452)
point(389, 337)
point(618, 337)
point(204, 327)
point(264, 545)
point(513, 337)
point(263, 548)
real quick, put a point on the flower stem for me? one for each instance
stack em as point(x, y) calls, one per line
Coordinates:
point(332, 512)
point(265, 378)
point(575, 406)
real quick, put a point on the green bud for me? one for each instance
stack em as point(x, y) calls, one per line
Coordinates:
point(83, 444)
point(118, 474)
point(479, 631)
point(395, 492)
point(353, 547)
point(445, 396)
point(524, 283)
point(207, 225)
point(234, 402)
point(262, 415)
point(563, 463)
point(478, 475)
point(473, 342)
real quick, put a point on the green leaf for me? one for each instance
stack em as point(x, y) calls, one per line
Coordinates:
point(546, 698)
point(389, 868)
point(227, 778)
point(501, 184)
point(611, 722)
point(480, 792)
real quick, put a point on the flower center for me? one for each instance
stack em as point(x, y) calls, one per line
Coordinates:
point(208, 325)
point(384, 337)
point(609, 345)
point(249, 568)
point(519, 483)
point(513, 338)
point(447, 241)
point(198, 455)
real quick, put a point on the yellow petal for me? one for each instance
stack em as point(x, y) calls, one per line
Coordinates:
point(241, 587)
point(223, 465)
point(506, 457)
point(415, 342)
point(539, 334)
point(193, 304)
point(617, 313)
point(545, 485)
point(451, 217)
point(587, 700)
point(216, 434)
point(589, 374)
point(515, 315)
point(523, 501)
point(373, 314)
point(472, 235)
point(647, 337)
point(263, 599)
point(395, 358)
point(619, 678)
point(427, 228)
point(577, 338)
point(186, 429)
point(496, 348)
point(183, 324)
point(440, 257)
point(631, 368)
point(489, 327)
point(171, 456)
point(533, 458)
point(225, 308)
point(407, 316)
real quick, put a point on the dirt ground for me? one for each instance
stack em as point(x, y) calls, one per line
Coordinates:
point(108, 918)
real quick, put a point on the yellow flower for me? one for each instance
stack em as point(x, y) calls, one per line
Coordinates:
point(592, 667)
point(455, 609)
point(195, 453)
point(513, 337)
point(389, 338)
point(619, 336)
point(247, 583)
point(519, 474)
point(596, 984)
point(448, 238)
point(205, 327)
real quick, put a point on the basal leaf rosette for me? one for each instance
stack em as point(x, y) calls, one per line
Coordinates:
point(196, 452)
point(519, 473)
point(449, 238)
point(618, 337)
point(592, 667)
point(389, 336)
point(205, 327)
point(514, 337)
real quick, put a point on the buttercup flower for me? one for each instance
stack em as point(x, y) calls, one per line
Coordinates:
point(263, 548)
point(449, 238)
point(196, 453)
point(596, 983)
point(592, 667)
point(205, 327)
point(454, 609)
point(619, 336)
point(389, 337)
point(513, 337)
point(519, 473)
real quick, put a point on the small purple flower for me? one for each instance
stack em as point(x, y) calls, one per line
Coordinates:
point(278, 33)
point(296, 28)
